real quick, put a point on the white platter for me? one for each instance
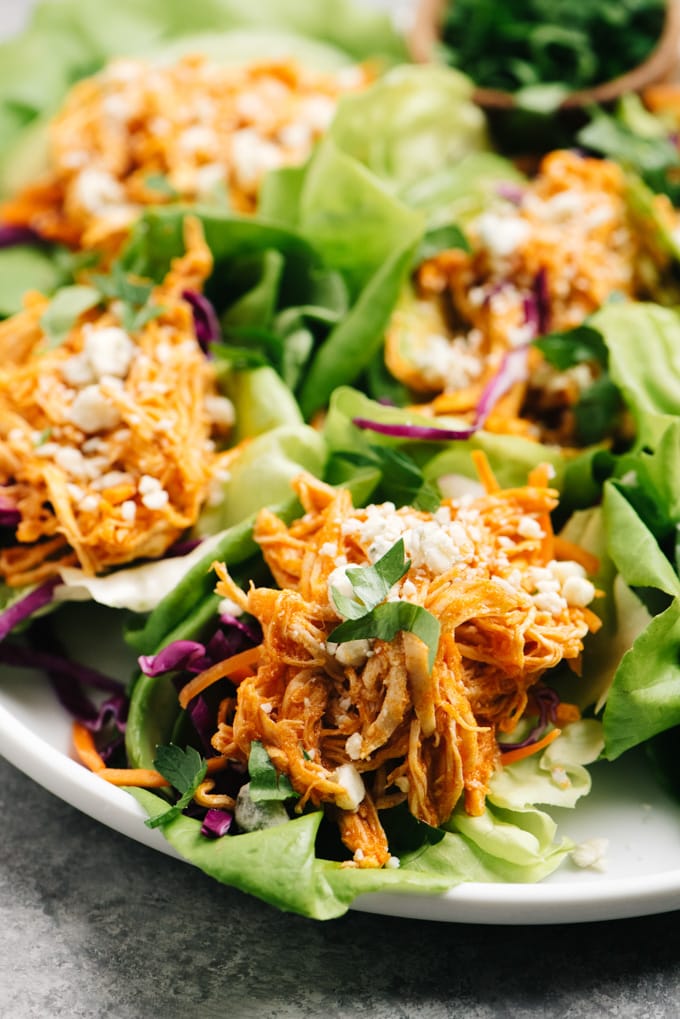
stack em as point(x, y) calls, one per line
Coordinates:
point(626, 806)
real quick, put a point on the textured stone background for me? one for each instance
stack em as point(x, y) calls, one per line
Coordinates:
point(94, 925)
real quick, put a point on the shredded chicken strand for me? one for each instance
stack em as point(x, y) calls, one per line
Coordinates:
point(141, 134)
point(368, 723)
point(110, 439)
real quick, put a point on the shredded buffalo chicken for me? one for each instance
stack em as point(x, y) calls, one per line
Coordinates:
point(139, 134)
point(109, 438)
point(541, 259)
point(366, 725)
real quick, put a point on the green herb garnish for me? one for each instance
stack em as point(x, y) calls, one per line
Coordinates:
point(265, 781)
point(368, 615)
point(64, 310)
point(184, 770)
point(132, 293)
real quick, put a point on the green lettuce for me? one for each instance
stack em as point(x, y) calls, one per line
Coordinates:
point(311, 297)
point(510, 842)
point(510, 457)
point(641, 509)
point(643, 341)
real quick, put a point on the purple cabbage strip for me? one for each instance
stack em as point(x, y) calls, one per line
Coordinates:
point(233, 636)
point(216, 823)
point(249, 629)
point(25, 607)
point(12, 236)
point(206, 322)
point(511, 191)
point(547, 701)
point(188, 655)
point(203, 721)
point(542, 301)
point(513, 368)
point(9, 513)
point(66, 679)
point(20, 656)
point(181, 548)
point(399, 431)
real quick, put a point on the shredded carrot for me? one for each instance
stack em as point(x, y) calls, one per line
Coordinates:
point(84, 744)
point(510, 756)
point(540, 475)
point(486, 475)
point(147, 778)
point(568, 550)
point(231, 667)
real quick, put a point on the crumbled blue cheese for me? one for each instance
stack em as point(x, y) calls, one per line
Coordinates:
point(352, 783)
point(591, 853)
point(256, 816)
point(92, 410)
point(502, 234)
point(109, 351)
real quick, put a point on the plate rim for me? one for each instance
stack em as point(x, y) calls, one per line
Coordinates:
point(607, 898)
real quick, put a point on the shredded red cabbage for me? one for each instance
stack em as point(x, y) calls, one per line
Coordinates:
point(202, 719)
point(547, 701)
point(248, 629)
point(9, 514)
point(216, 823)
point(27, 606)
point(13, 236)
point(542, 301)
point(232, 636)
point(187, 655)
point(513, 368)
point(206, 322)
point(67, 679)
point(511, 191)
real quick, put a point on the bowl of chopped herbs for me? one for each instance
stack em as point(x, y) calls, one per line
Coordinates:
point(547, 54)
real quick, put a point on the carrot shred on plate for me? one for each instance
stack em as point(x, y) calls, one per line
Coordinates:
point(84, 744)
point(85, 747)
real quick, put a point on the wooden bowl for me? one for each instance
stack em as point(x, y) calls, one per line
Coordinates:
point(661, 65)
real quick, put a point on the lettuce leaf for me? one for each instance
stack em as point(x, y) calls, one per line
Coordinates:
point(511, 457)
point(413, 122)
point(262, 475)
point(643, 341)
point(73, 38)
point(280, 866)
point(345, 254)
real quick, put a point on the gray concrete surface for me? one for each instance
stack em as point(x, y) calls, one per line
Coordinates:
point(93, 925)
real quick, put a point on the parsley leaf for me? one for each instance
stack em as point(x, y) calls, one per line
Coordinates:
point(368, 615)
point(441, 238)
point(565, 349)
point(402, 481)
point(386, 620)
point(133, 294)
point(64, 310)
point(265, 781)
point(371, 584)
point(184, 770)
